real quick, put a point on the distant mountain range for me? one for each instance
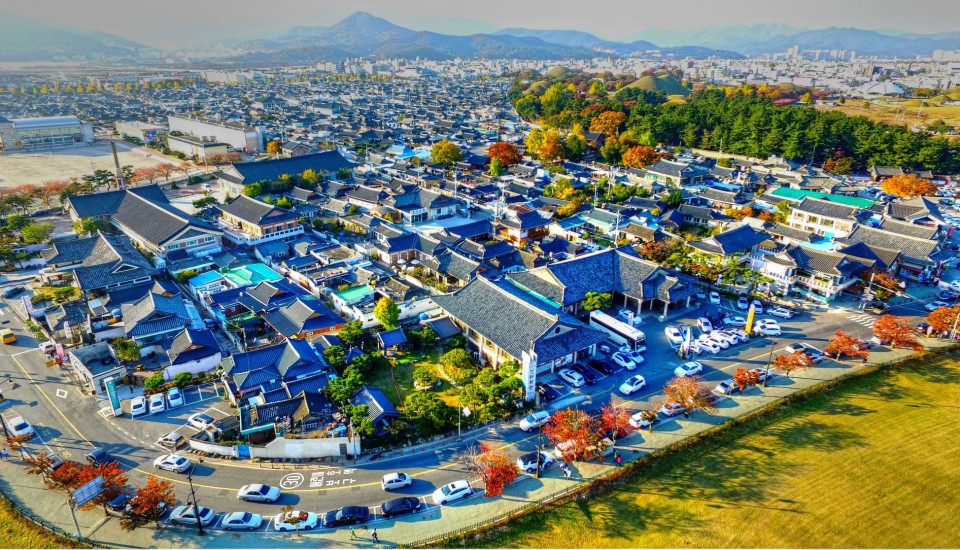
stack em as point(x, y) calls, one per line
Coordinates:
point(24, 39)
point(363, 34)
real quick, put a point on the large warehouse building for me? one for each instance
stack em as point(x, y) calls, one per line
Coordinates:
point(237, 136)
point(44, 132)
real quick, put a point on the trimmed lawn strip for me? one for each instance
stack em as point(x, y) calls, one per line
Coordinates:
point(868, 462)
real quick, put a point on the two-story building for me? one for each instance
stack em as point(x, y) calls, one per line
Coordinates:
point(248, 222)
point(524, 227)
point(100, 263)
point(815, 274)
point(826, 218)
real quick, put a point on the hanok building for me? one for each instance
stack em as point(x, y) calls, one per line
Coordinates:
point(248, 222)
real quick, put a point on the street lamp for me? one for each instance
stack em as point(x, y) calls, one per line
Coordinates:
point(193, 496)
point(773, 344)
point(539, 450)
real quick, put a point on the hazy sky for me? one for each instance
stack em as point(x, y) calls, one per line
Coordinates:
point(173, 23)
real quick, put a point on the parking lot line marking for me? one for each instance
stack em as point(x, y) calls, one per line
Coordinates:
point(62, 394)
point(25, 351)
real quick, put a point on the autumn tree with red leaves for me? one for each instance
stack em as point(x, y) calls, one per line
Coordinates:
point(883, 285)
point(943, 318)
point(744, 377)
point(506, 152)
point(149, 504)
point(908, 186)
point(793, 362)
point(689, 393)
point(843, 344)
point(614, 420)
point(575, 432)
point(496, 469)
point(896, 331)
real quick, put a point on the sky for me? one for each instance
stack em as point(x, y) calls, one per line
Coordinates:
point(175, 24)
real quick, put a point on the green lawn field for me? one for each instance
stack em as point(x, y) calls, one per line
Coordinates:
point(16, 532)
point(874, 462)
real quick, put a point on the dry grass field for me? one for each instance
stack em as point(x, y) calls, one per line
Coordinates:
point(900, 112)
point(35, 168)
point(871, 463)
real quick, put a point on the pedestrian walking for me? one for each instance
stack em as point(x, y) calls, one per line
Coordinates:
point(616, 456)
point(5, 455)
point(566, 472)
point(353, 533)
point(376, 539)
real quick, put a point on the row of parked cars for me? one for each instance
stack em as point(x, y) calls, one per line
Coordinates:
point(157, 402)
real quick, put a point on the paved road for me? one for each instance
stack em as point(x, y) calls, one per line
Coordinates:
point(69, 423)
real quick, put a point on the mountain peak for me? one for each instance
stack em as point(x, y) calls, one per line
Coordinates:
point(365, 21)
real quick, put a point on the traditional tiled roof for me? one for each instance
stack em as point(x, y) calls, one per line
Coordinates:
point(737, 240)
point(829, 263)
point(909, 229)
point(111, 261)
point(104, 204)
point(379, 407)
point(192, 345)
point(526, 220)
point(154, 314)
point(920, 251)
point(883, 257)
point(827, 209)
point(301, 316)
point(391, 338)
point(270, 170)
point(256, 212)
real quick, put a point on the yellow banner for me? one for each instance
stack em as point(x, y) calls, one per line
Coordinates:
point(750, 314)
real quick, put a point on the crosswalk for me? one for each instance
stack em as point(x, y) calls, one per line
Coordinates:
point(863, 319)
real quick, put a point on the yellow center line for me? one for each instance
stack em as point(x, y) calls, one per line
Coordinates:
point(52, 404)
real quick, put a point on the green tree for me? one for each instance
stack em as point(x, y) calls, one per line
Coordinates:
point(128, 350)
point(186, 275)
point(575, 142)
point(273, 147)
point(344, 386)
point(496, 168)
point(388, 313)
point(252, 190)
point(594, 300)
point(674, 199)
point(89, 226)
point(183, 379)
point(429, 409)
point(358, 415)
point(351, 332)
point(336, 356)
point(154, 381)
point(309, 178)
point(205, 202)
point(446, 153)
point(35, 233)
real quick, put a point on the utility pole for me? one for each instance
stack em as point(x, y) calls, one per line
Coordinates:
point(121, 184)
point(773, 344)
point(193, 496)
point(539, 450)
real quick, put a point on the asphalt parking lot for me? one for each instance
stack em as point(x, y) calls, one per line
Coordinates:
point(149, 428)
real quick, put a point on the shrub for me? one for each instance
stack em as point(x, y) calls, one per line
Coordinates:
point(182, 379)
point(154, 381)
point(424, 378)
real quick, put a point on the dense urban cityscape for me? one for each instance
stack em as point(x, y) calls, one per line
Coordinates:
point(369, 286)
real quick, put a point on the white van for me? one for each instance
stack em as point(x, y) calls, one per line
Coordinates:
point(47, 347)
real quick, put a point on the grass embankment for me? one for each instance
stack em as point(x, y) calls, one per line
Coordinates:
point(17, 532)
point(869, 463)
point(899, 112)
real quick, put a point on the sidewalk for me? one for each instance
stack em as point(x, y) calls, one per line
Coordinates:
point(29, 491)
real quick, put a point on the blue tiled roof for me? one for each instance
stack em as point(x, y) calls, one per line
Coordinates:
point(267, 170)
point(390, 338)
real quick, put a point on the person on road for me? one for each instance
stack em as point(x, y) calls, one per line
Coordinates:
point(616, 456)
point(376, 539)
point(5, 455)
point(353, 533)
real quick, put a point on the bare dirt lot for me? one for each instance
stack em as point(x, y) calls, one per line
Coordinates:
point(20, 168)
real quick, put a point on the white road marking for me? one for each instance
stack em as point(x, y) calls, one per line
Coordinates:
point(22, 352)
point(62, 394)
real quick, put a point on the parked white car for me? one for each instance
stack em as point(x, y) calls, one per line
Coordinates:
point(396, 480)
point(935, 305)
point(623, 360)
point(781, 312)
point(157, 403)
point(172, 463)
point(734, 321)
point(689, 368)
point(723, 343)
point(629, 317)
point(708, 345)
point(674, 336)
point(175, 397)
point(715, 298)
point(704, 324)
point(632, 384)
point(19, 427)
point(767, 327)
point(571, 377)
point(722, 336)
point(757, 307)
point(743, 303)
point(452, 492)
point(138, 406)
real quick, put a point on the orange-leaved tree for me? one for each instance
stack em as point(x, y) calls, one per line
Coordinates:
point(640, 156)
point(149, 504)
point(908, 186)
point(608, 122)
point(114, 480)
point(841, 344)
point(882, 284)
point(744, 377)
point(506, 152)
point(574, 433)
point(496, 468)
point(943, 318)
point(896, 331)
point(689, 393)
point(792, 362)
point(614, 420)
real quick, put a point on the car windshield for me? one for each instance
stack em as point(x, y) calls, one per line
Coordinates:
point(447, 489)
point(205, 418)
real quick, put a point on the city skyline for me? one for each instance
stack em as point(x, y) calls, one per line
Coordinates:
point(180, 25)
